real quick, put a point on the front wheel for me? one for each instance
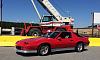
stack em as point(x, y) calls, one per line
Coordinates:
point(79, 47)
point(44, 50)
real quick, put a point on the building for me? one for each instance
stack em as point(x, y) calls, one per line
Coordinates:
point(88, 31)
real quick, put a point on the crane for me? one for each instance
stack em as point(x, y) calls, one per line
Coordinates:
point(54, 16)
point(53, 22)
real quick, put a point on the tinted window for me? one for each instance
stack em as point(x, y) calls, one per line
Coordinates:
point(54, 34)
point(47, 19)
point(65, 35)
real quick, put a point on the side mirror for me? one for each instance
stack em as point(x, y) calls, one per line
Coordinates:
point(59, 38)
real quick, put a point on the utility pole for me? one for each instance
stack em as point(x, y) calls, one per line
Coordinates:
point(1, 12)
point(92, 24)
point(1, 16)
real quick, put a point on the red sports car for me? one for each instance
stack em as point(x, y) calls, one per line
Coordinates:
point(55, 41)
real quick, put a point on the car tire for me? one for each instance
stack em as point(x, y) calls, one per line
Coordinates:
point(44, 50)
point(79, 47)
point(34, 31)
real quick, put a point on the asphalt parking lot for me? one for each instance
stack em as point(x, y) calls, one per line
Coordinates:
point(91, 53)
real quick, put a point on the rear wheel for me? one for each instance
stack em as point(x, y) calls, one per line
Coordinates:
point(34, 32)
point(44, 50)
point(79, 47)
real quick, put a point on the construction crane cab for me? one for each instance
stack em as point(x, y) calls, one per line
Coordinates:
point(47, 18)
point(52, 21)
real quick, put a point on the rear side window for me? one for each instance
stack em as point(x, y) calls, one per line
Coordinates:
point(78, 35)
point(65, 35)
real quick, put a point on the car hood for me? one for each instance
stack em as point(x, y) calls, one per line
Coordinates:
point(32, 40)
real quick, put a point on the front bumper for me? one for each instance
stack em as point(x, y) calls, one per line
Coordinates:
point(24, 51)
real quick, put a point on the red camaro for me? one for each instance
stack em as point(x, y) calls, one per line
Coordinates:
point(55, 41)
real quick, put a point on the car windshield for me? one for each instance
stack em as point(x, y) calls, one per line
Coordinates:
point(51, 34)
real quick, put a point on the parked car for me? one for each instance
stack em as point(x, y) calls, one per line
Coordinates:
point(55, 41)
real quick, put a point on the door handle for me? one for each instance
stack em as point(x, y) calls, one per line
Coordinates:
point(59, 39)
point(71, 40)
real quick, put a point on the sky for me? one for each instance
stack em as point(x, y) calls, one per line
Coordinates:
point(23, 11)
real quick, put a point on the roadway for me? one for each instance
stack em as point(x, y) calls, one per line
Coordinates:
point(91, 53)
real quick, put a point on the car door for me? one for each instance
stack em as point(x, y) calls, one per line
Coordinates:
point(65, 40)
point(56, 41)
point(60, 40)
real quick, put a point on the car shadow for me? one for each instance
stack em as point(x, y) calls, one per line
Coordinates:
point(53, 53)
point(27, 54)
point(66, 51)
